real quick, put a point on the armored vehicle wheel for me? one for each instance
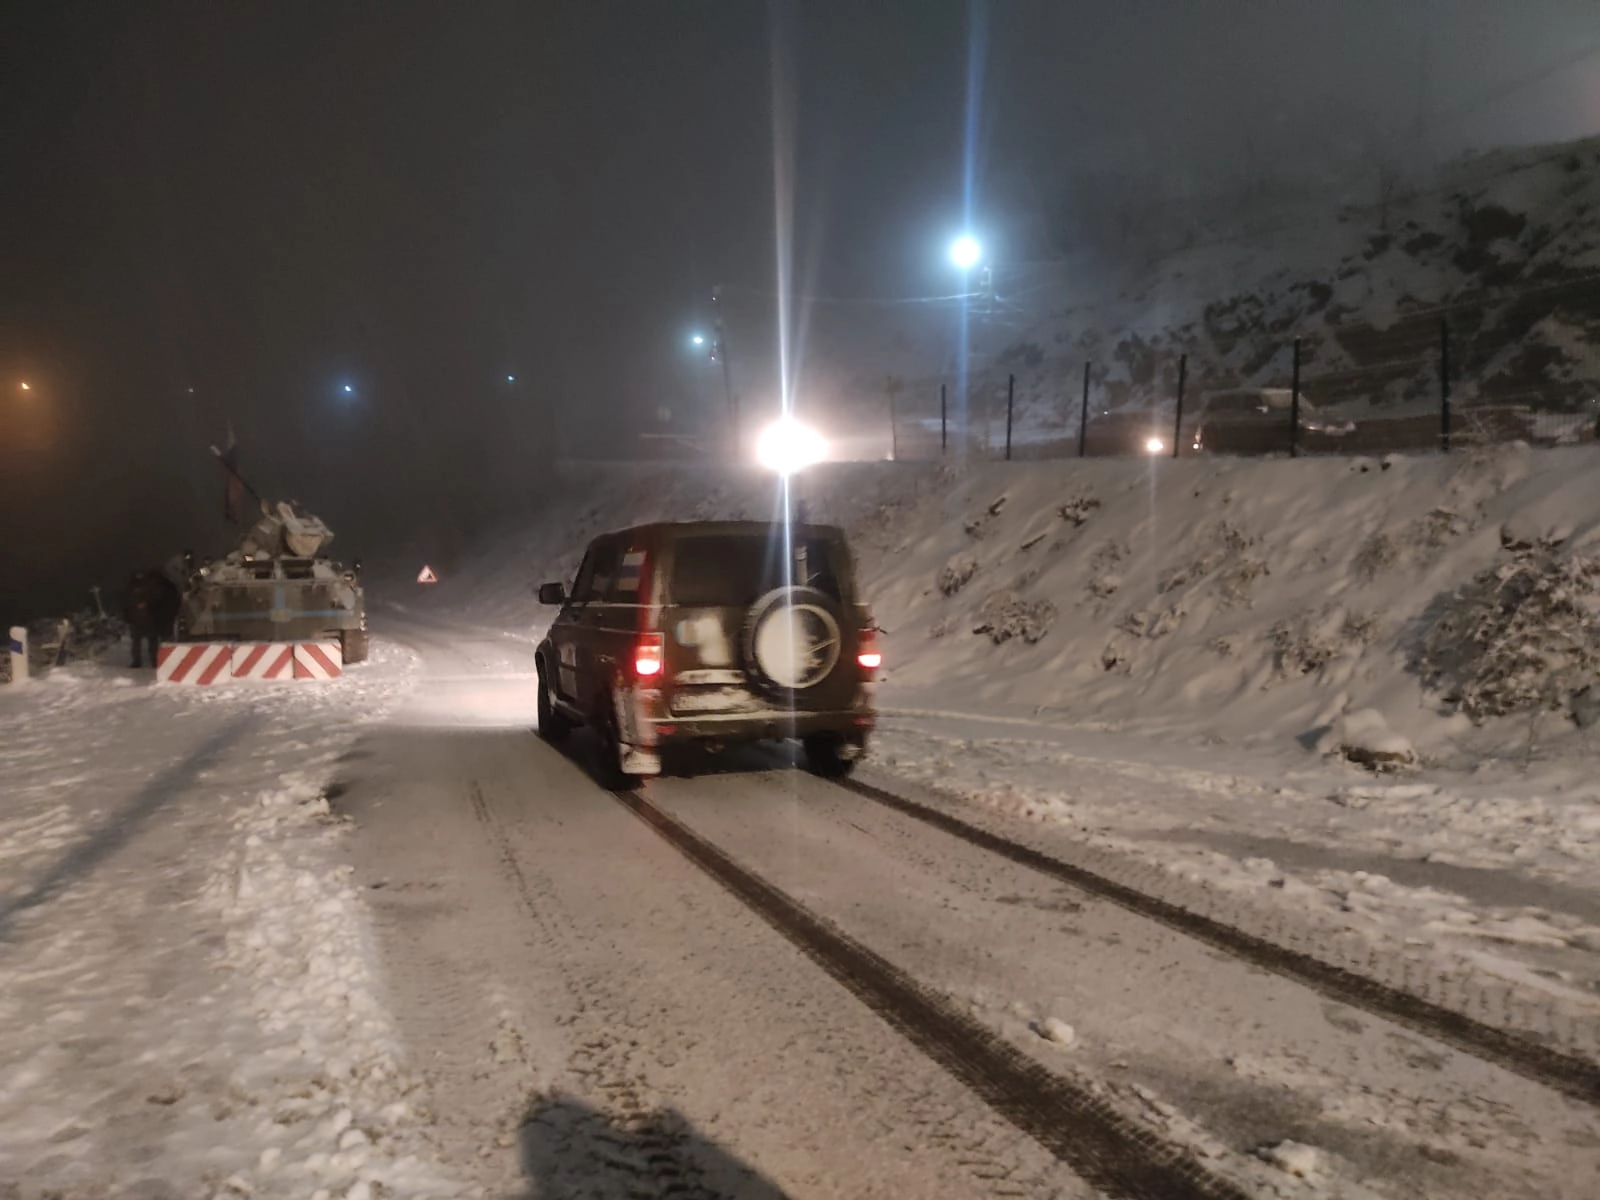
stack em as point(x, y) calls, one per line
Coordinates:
point(353, 646)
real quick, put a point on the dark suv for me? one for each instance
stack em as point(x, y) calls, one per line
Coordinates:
point(710, 633)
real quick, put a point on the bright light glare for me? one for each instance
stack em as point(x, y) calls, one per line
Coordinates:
point(965, 252)
point(511, 378)
point(26, 386)
point(699, 339)
point(870, 659)
point(348, 389)
point(1154, 446)
point(787, 446)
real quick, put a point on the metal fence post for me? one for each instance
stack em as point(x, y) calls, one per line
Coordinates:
point(1444, 384)
point(1177, 421)
point(1011, 399)
point(944, 423)
point(1083, 419)
point(894, 431)
point(1294, 405)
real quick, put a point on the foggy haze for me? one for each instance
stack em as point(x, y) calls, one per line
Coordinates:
point(228, 214)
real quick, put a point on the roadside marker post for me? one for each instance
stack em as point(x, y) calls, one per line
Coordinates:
point(18, 645)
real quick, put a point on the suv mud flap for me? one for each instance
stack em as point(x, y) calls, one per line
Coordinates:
point(635, 761)
point(636, 710)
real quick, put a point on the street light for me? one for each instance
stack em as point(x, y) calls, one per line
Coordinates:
point(511, 378)
point(1154, 446)
point(699, 339)
point(965, 252)
point(788, 446)
point(26, 386)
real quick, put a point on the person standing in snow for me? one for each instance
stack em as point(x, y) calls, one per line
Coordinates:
point(150, 608)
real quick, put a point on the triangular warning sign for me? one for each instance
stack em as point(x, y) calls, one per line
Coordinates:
point(426, 575)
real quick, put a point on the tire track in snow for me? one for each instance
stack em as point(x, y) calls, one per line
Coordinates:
point(655, 1154)
point(1572, 1076)
point(1106, 1149)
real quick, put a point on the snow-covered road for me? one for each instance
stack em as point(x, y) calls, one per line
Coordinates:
point(594, 1015)
point(376, 939)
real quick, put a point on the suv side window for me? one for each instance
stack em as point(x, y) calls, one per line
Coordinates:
point(604, 571)
point(580, 586)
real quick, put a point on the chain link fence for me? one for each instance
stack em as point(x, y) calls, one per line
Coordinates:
point(1494, 367)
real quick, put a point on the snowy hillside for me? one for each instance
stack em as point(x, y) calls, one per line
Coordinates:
point(1505, 245)
point(1253, 600)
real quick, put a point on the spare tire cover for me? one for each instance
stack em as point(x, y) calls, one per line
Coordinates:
point(793, 639)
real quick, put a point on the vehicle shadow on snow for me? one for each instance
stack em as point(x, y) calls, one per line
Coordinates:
point(120, 827)
point(568, 1148)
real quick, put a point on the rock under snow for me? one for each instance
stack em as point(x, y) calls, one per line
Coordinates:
point(1586, 706)
point(1364, 737)
point(1054, 1029)
point(1295, 1158)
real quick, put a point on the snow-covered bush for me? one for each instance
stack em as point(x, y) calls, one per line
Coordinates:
point(1224, 560)
point(978, 526)
point(1420, 541)
point(957, 573)
point(85, 636)
point(1522, 636)
point(1144, 623)
point(1436, 529)
point(1310, 641)
point(1005, 615)
point(1378, 553)
point(1105, 563)
point(1076, 510)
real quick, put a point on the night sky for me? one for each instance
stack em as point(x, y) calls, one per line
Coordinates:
point(217, 213)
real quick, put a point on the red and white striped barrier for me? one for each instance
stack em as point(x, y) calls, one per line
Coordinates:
point(318, 660)
point(205, 663)
point(263, 660)
point(196, 662)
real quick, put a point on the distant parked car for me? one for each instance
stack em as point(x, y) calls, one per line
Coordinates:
point(711, 633)
point(1255, 421)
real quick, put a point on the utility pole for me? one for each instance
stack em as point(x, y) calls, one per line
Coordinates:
point(719, 354)
point(1444, 384)
point(1294, 405)
point(1177, 420)
point(1083, 419)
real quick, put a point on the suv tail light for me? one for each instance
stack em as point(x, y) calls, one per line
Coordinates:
point(868, 656)
point(648, 656)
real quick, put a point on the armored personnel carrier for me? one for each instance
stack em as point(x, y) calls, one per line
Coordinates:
point(277, 585)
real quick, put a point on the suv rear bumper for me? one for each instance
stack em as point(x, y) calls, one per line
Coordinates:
point(752, 727)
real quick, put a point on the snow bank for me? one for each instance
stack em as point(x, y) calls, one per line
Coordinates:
point(345, 1116)
point(189, 1001)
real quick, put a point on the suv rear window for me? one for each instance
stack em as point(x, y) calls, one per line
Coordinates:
point(734, 570)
